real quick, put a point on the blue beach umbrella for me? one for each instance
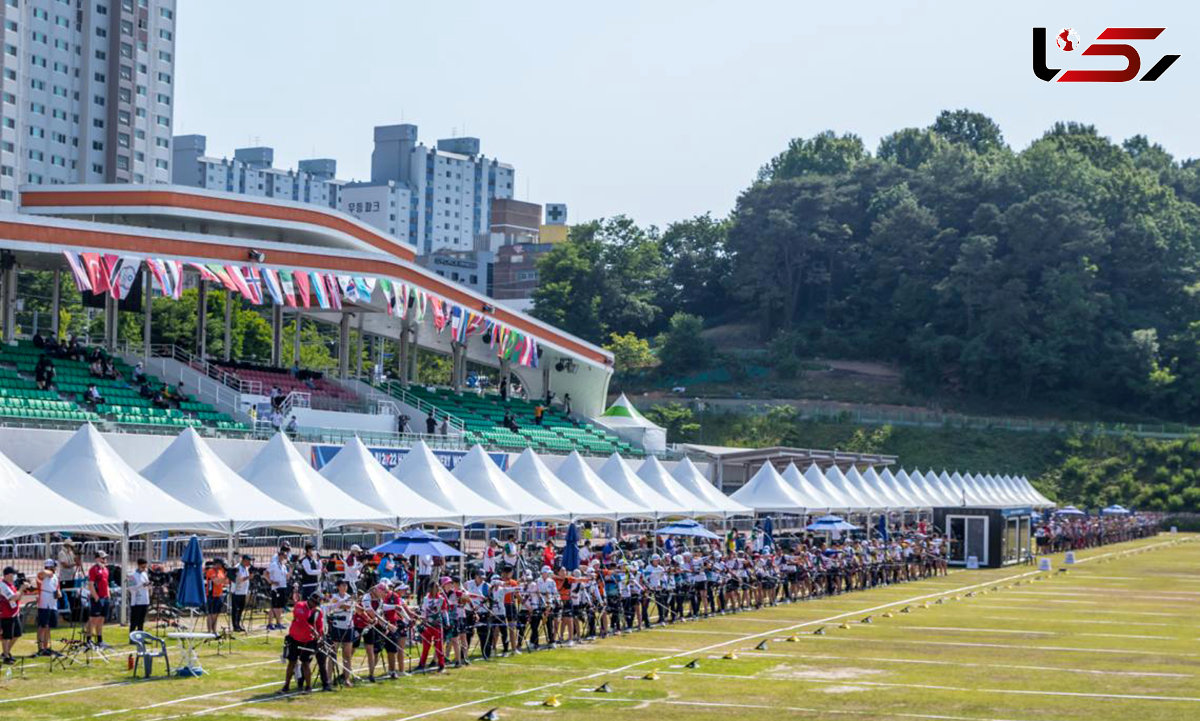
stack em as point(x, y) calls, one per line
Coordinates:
point(415, 542)
point(1069, 511)
point(1115, 510)
point(191, 581)
point(687, 528)
point(829, 524)
point(769, 532)
point(570, 554)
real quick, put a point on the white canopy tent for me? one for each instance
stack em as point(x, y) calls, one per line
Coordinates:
point(835, 500)
point(426, 476)
point(576, 473)
point(656, 476)
point(891, 493)
point(910, 490)
point(768, 492)
point(356, 471)
point(87, 471)
point(31, 507)
point(814, 499)
point(621, 478)
point(630, 425)
point(949, 496)
point(531, 474)
point(876, 501)
point(1005, 487)
point(193, 474)
point(690, 477)
point(853, 500)
point(279, 471)
point(480, 473)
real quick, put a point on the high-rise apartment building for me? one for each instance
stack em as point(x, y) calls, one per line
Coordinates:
point(88, 92)
point(250, 172)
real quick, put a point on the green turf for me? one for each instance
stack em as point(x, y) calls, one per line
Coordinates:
point(1113, 638)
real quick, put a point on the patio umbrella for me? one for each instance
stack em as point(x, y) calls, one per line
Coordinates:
point(415, 542)
point(687, 528)
point(768, 532)
point(829, 524)
point(191, 582)
point(1115, 510)
point(570, 554)
point(882, 527)
point(1069, 511)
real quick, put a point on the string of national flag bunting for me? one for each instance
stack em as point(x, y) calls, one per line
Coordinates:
point(115, 274)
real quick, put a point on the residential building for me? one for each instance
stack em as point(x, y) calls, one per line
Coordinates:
point(472, 268)
point(251, 172)
point(88, 93)
point(514, 272)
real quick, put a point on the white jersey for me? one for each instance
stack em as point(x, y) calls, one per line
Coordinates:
point(241, 580)
point(352, 571)
point(47, 593)
point(139, 588)
point(277, 573)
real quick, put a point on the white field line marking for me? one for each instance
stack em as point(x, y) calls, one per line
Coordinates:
point(122, 683)
point(1155, 614)
point(938, 687)
point(1131, 635)
point(1023, 647)
point(831, 712)
point(1093, 621)
point(1033, 633)
point(969, 664)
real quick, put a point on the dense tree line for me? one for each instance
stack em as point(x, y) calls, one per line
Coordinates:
point(1068, 269)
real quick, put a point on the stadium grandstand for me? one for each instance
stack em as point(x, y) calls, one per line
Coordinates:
point(292, 261)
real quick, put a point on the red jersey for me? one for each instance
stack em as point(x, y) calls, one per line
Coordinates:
point(307, 623)
point(9, 608)
point(98, 575)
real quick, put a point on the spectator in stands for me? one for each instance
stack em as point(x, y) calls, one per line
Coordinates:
point(92, 396)
point(38, 340)
point(145, 391)
point(430, 424)
point(276, 420)
point(504, 389)
point(444, 428)
point(310, 383)
point(567, 403)
point(139, 373)
point(402, 422)
point(510, 422)
point(295, 370)
point(539, 411)
point(291, 427)
point(53, 347)
point(277, 397)
point(44, 372)
point(160, 399)
point(110, 371)
point(96, 369)
point(74, 349)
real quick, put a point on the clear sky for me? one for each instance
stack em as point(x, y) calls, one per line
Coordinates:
point(659, 109)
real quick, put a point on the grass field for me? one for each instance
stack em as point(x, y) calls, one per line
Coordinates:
point(1116, 637)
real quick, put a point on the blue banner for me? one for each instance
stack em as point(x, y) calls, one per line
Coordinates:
point(389, 458)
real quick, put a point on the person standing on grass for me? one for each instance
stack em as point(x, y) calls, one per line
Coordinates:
point(277, 575)
point(98, 600)
point(300, 646)
point(139, 596)
point(10, 614)
point(342, 635)
point(434, 610)
point(241, 591)
point(49, 595)
point(215, 580)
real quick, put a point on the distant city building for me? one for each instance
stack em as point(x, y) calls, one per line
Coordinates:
point(435, 197)
point(88, 93)
point(251, 172)
point(472, 268)
point(515, 274)
point(513, 221)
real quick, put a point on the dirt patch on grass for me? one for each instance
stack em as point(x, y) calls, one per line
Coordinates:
point(813, 673)
point(843, 689)
point(351, 713)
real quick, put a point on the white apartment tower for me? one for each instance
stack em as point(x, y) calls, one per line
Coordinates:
point(88, 92)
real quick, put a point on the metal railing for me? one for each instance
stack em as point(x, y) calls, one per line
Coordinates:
point(399, 392)
point(203, 367)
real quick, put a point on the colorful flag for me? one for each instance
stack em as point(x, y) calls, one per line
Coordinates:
point(303, 291)
point(475, 323)
point(335, 291)
point(157, 271)
point(173, 273)
point(528, 353)
point(440, 315)
point(458, 325)
point(97, 276)
point(249, 275)
point(287, 287)
point(78, 272)
point(319, 292)
point(205, 273)
point(221, 276)
point(122, 274)
point(270, 281)
point(390, 298)
point(347, 286)
point(366, 287)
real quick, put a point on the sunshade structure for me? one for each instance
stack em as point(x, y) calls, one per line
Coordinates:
point(1069, 511)
point(360, 475)
point(279, 471)
point(687, 527)
point(830, 524)
point(426, 476)
point(621, 478)
point(687, 475)
point(191, 581)
point(812, 497)
point(576, 473)
point(767, 492)
point(1115, 510)
point(480, 473)
point(30, 507)
point(629, 424)
point(531, 474)
point(834, 499)
point(415, 542)
point(88, 472)
point(853, 498)
point(193, 474)
point(890, 493)
point(864, 490)
point(653, 474)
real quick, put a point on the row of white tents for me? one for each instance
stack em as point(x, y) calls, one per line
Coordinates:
point(87, 487)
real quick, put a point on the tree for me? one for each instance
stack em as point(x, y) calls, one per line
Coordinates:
point(677, 419)
point(682, 348)
point(974, 130)
point(697, 262)
point(824, 154)
point(630, 353)
point(910, 147)
point(785, 351)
